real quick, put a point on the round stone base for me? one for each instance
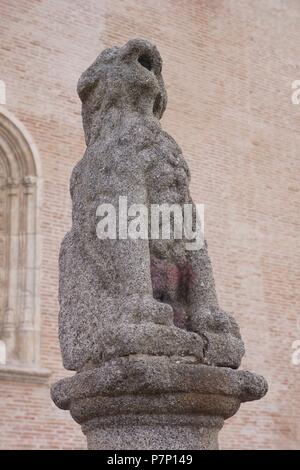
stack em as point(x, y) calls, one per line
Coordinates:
point(150, 402)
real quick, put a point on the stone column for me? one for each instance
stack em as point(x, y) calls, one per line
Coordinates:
point(155, 356)
point(10, 312)
point(28, 350)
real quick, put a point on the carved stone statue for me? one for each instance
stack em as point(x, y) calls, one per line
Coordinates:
point(154, 354)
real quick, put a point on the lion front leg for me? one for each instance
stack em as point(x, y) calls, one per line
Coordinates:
point(219, 331)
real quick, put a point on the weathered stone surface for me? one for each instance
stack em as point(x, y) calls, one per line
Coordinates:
point(163, 374)
point(139, 319)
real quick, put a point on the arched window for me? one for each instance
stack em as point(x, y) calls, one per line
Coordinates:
point(19, 244)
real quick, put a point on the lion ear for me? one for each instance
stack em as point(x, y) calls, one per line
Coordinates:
point(161, 100)
point(90, 78)
point(86, 83)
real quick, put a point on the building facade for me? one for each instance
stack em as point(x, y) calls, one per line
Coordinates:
point(230, 68)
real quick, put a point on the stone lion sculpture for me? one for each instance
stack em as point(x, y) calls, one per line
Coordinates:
point(126, 297)
point(154, 354)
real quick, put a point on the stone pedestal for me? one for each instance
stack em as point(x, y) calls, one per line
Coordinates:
point(144, 402)
point(157, 432)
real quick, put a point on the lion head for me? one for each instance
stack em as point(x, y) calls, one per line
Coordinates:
point(126, 78)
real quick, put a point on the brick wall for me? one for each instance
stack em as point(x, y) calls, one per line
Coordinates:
point(228, 67)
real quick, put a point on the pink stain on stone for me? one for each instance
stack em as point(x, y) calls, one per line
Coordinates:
point(171, 285)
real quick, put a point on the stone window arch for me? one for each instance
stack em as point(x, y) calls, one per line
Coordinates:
point(20, 179)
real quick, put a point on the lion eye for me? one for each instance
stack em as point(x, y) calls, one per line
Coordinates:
point(145, 61)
